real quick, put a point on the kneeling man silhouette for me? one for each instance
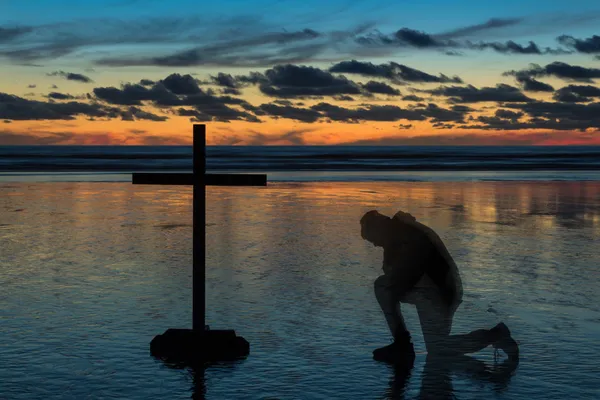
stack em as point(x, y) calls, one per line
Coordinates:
point(419, 270)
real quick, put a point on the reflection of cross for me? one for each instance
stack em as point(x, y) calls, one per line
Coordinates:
point(205, 343)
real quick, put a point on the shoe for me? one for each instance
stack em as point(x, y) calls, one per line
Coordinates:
point(400, 352)
point(504, 341)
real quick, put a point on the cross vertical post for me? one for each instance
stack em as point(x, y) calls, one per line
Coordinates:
point(199, 230)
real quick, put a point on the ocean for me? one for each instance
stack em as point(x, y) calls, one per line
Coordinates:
point(309, 163)
point(92, 267)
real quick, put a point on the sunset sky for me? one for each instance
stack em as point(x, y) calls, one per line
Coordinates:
point(426, 72)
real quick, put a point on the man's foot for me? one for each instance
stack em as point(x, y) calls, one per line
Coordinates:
point(503, 340)
point(400, 352)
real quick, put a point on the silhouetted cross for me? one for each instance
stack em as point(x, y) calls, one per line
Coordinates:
point(199, 179)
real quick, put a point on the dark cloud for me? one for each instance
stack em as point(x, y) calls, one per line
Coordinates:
point(417, 38)
point(560, 70)
point(560, 115)
point(471, 94)
point(392, 71)
point(181, 84)
point(343, 97)
point(493, 23)
point(290, 112)
point(17, 108)
point(367, 113)
point(288, 81)
point(32, 86)
point(196, 116)
point(226, 80)
point(412, 97)
point(71, 76)
point(134, 94)
point(231, 91)
point(146, 82)
point(439, 114)
point(508, 114)
point(380, 88)
point(531, 85)
point(134, 113)
point(576, 93)
point(448, 42)
point(59, 96)
point(511, 47)
point(589, 45)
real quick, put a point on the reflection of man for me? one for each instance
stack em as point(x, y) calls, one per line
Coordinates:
point(419, 270)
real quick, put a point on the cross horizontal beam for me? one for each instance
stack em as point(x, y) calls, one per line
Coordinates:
point(209, 179)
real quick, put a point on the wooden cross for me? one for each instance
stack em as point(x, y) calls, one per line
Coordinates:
point(199, 179)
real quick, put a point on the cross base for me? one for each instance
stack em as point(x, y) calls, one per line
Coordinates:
point(191, 347)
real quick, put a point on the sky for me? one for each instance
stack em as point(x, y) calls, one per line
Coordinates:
point(283, 72)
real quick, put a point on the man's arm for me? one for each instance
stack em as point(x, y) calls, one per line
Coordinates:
point(401, 265)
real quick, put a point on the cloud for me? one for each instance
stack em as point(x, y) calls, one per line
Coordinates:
point(254, 49)
point(181, 84)
point(531, 85)
point(412, 97)
point(493, 23)
point(471, 94)
point(239, 41)
point(576, 93)
point(17, 108)
point(590, 45)
point(511, 47)
point(392, 71)
point(508, 114)
point(9, 34)
point(417, 38)
point(134, 113)
point(71, 76)
point(288, 81)
point(380, 88)
point(182, 91)
point(226, 80)
point(134, 94)
point(560, 70)
point(448, 43)
point(560, 115)
point(367, 113)
point(290, 112)
point(59, 96)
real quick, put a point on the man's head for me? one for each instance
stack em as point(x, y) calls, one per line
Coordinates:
point(374, 227)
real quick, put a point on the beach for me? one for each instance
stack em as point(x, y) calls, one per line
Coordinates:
point(92, 271)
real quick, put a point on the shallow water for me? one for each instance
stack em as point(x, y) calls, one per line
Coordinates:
point(90, 272)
